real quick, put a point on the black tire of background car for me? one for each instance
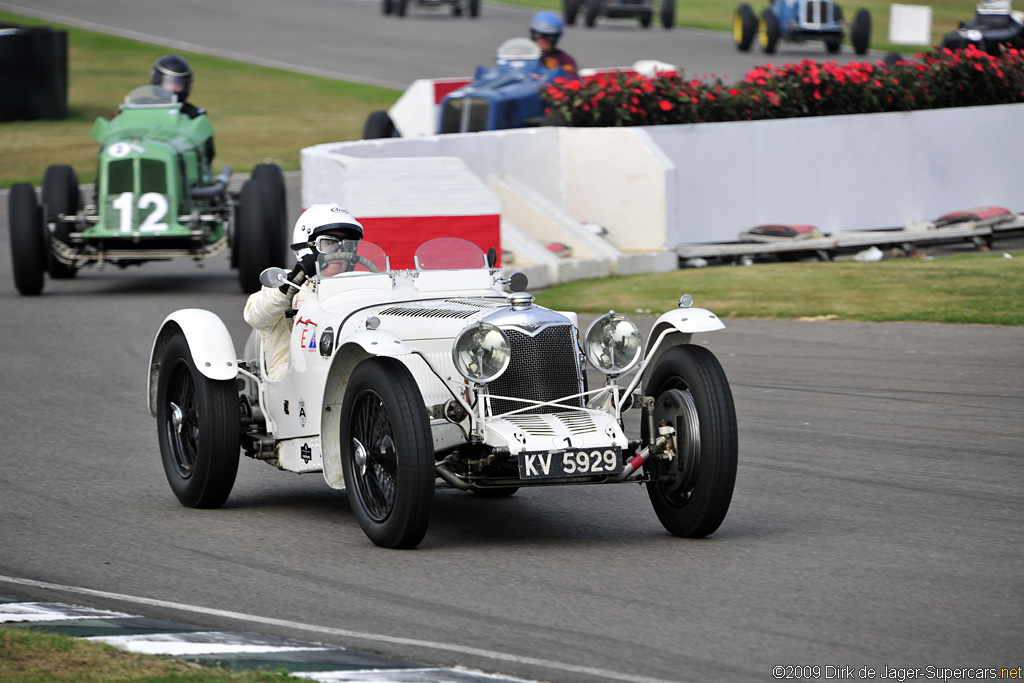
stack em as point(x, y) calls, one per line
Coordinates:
point(645, 19)
point(768, 31)
point(668, 13)
point(860, 32)
point(385, 7)
point(253, 234)
point(744, 27)
point(699, 511)
point(593, 9)
point(28, 250)
point(378, 125)
point(277, 209)
point(457, 8)
point(834, 46)
point(383, 410)
point(401, 7)
point(60, 196)
point(474, 9)
point(200, 447)
point(570, 8)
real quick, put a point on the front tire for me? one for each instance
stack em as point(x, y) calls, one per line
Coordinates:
point(199, 429)
point(693, 503)
point(60, 196)
point(28, 250)
point(387, 453)
point(768, 31)
point(593, 9)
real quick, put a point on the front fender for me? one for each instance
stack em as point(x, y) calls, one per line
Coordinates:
point(208, 340)
point(678, 326)
point(351, 351)
point(376, 343)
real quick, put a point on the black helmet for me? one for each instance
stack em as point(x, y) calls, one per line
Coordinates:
point(173, 73)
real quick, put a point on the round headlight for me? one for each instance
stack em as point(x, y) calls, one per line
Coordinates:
point(612, 343)
point(481, 352)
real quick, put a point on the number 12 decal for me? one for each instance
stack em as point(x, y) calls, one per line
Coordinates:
point(152, 222)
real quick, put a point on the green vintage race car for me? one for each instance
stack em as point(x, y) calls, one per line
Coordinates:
point(155, 200)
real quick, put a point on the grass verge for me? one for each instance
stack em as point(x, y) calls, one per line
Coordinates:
point(985, 289)
point(259, 114)
point(28, 656)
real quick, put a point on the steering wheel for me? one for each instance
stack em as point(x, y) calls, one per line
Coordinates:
point(353, 258)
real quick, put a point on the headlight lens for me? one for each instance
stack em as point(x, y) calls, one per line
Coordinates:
point(612, 343)
point(481, 352)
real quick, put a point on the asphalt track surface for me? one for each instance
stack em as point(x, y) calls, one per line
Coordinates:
point(351, 39)
point(876, 521)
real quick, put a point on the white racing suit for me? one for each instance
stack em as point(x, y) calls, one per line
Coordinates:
point(265, 312)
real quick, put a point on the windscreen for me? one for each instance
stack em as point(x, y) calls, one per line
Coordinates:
point(449, 253)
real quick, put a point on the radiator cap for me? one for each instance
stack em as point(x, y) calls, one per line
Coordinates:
point(520, 301)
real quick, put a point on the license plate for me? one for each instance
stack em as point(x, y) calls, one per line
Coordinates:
point(582, 462)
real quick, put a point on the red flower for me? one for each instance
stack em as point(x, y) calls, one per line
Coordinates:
point(667, 106)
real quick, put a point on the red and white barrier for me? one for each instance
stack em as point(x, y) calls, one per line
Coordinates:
point(403, 202)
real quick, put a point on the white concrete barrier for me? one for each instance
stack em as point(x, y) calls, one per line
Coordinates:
point(658, 187)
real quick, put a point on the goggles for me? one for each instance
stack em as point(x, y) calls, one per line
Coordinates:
point(328, 244)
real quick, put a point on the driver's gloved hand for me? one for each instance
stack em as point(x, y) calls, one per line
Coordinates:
point(306, 266)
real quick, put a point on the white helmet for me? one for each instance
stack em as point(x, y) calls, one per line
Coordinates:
point(321, 218)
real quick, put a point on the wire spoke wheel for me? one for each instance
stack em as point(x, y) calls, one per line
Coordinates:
point(387, 453)
point(182, 421)
point(374, 455)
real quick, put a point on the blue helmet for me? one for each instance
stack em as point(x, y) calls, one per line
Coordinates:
point(547, 24)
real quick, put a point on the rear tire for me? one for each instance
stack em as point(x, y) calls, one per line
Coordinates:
point(199, 427)
point(645, 19)
point(277, 209)
point(474, 9)
point(401, 7)
point(768, 31)
point(386, 7)
point(60, 196)
point(695, 503)
point(860, 32)
point(744, 27)
point(253, 234)
point(378, 125)
point(593, 9)
point(28, 250)
point(387, 453)
point(570, 8)
point(668, 13)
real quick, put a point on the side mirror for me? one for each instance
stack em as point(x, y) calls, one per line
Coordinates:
point(273, 277)
point(492, 257)
point(518, 282)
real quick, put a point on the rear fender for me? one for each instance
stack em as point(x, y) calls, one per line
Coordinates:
point(351, 351)
point(208, 340)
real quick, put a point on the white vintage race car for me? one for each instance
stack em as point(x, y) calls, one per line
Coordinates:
point(447, 374)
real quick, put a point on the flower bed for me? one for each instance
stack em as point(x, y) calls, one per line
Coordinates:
point(945, 78)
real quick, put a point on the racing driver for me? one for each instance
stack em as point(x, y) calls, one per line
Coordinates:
point(266, 310)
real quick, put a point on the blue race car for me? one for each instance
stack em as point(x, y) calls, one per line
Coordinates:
point(504, 96)
point(800, 20)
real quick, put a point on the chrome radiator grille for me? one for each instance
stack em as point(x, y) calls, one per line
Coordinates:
point(543, 368)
